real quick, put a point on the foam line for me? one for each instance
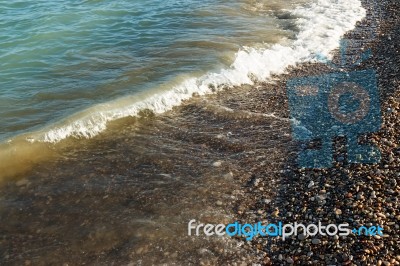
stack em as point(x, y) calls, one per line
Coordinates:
point(321, 26)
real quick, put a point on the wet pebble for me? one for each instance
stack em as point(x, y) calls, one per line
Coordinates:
point(217, 163)
point(316, 241)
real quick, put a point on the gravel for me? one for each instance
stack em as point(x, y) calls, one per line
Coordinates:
point(359, 194)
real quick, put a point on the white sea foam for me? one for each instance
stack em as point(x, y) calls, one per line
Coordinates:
point(321, 26)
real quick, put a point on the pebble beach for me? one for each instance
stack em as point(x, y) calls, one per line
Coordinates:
point(125, 197)
point(359, 194)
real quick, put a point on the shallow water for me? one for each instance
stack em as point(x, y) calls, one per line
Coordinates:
point(106, 71)
point(126, 196)
point(59, 97)
point(60, 57)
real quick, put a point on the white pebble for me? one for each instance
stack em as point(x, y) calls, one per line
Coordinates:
point(217, 163)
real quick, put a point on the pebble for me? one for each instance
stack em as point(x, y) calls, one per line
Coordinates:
point(379, 214)
point(301, 236)
point(217, 164)
point(139, 251)
point(338, 211)
point(316, 241)
point(22, 182)
point(290, 260)
point(228, 175)
point(266, 201)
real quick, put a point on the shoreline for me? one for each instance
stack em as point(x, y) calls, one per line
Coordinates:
point(299, 43)
point(237, 154)
point(358, 194)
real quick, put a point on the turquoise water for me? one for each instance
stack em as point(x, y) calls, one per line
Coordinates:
point(61, 57)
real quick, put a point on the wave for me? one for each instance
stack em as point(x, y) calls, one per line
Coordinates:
point(321, 26)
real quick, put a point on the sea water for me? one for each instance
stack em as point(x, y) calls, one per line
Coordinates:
point(103, 171)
